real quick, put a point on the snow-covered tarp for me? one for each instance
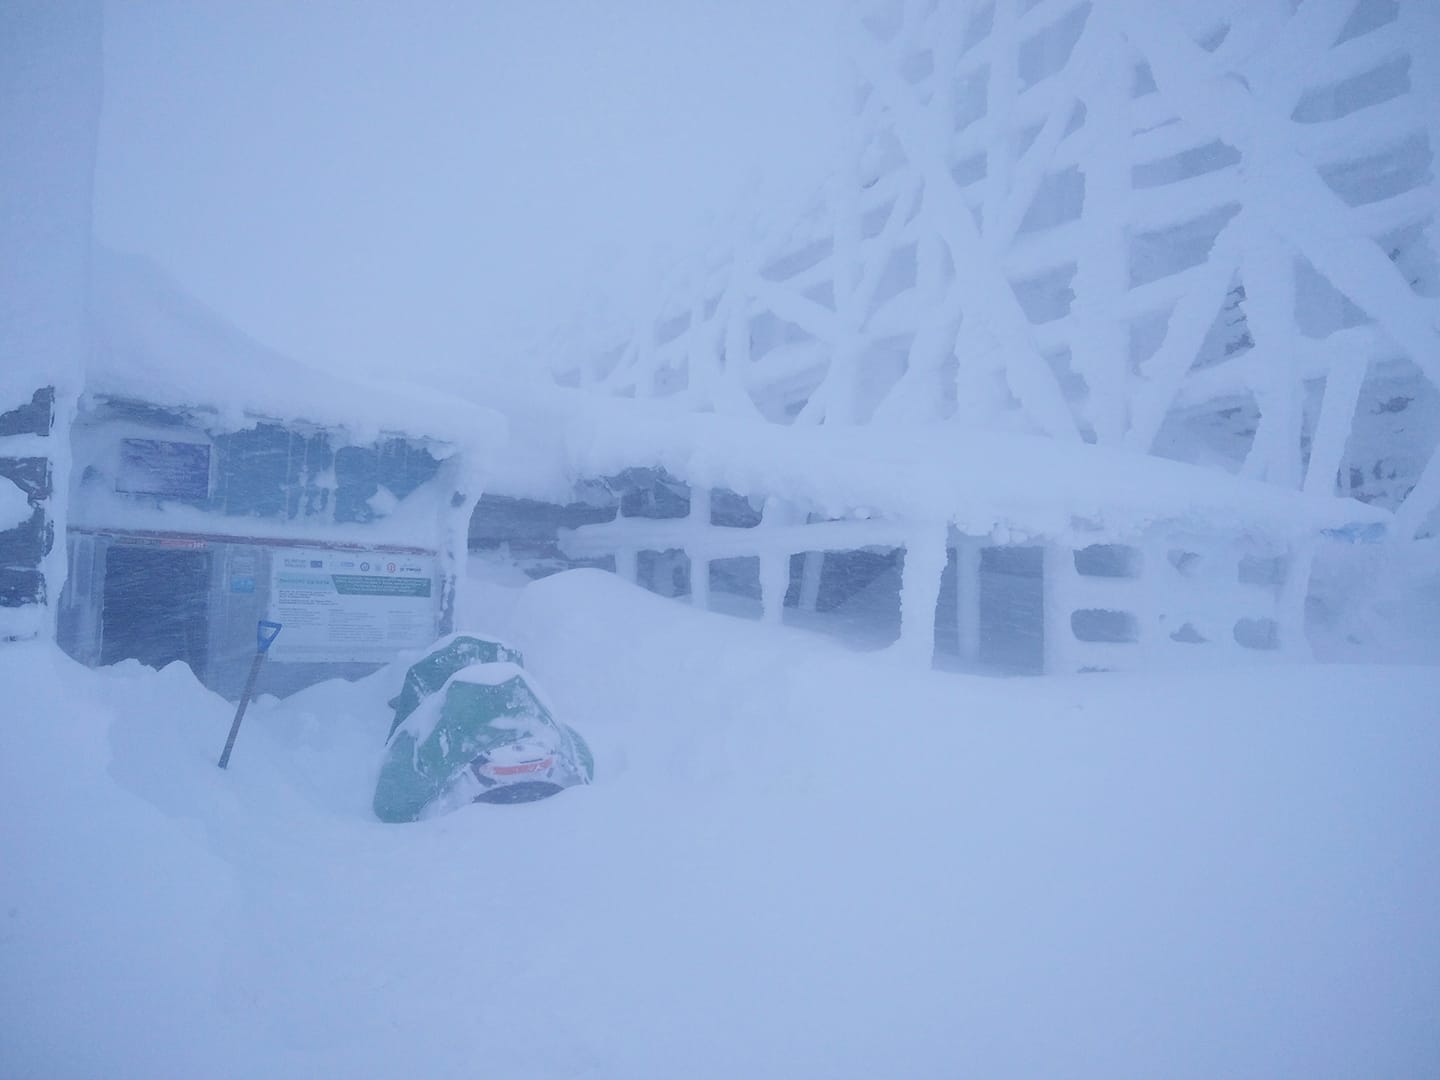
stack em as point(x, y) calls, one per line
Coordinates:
point(472, 726)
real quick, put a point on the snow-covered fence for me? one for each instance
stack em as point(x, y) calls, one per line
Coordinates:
point(1204, 231)
point(1145, 562)
point(1156, 603)
point(1164, 601)
point(781, 533)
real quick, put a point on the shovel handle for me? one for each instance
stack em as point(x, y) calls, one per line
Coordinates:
point(265, 633)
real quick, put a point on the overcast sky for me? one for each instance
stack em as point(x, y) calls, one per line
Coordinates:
point(399, 186)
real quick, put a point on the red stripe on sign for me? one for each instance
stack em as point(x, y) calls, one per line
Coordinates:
point(523, 767)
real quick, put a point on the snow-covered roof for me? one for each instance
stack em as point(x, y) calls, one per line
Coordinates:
point(158, 344)
point(154, 342)
point(985, 483)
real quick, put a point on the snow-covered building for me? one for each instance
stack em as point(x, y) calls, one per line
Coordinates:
point(214, 483)
point(165, 481)
point(1100, 301)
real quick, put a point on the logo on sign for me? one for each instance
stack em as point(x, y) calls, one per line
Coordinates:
point(364, 566)
point(390, 568)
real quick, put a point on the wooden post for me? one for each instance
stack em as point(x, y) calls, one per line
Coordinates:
point(967, 596)
point(774, 567)
point(1290, 607)
point(810, 580)
point(919, 592)
point(627, 564)
point(699, 558)
point(774, 583)
point(1059, 570)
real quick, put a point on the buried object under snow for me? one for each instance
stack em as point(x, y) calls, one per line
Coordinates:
point(433, 671)
point(470, 727)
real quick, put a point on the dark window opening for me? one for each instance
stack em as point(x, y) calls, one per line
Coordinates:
point(1012, 609)
point(154, 607)
point(1103, 624)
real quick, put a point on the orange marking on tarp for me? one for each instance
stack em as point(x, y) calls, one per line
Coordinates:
point(523, 767)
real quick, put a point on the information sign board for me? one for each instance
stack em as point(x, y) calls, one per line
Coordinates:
point(351, 606)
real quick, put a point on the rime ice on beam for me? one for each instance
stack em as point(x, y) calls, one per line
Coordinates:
point(1198, 232)
point(1118, 218)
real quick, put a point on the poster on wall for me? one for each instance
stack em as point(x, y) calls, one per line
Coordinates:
point(347, 606)
point(172, 470)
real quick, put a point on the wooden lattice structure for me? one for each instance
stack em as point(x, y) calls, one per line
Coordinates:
point(1203, 229)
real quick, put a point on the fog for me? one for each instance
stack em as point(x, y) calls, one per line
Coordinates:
point(987, 624)
point(379, 186)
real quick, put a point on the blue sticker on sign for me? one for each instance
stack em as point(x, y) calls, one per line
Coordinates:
point(242, 584)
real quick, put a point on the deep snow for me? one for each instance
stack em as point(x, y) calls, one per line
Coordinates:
point(796, 860)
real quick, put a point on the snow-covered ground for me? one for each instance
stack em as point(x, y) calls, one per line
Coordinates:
point(797, 860)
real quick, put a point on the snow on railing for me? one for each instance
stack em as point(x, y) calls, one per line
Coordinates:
point(1105, 606)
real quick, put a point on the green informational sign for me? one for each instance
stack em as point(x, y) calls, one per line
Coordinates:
point(346, 606)
point(351, 585)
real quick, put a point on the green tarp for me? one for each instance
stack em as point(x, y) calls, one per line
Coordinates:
point(430, 674)
point(469, 726)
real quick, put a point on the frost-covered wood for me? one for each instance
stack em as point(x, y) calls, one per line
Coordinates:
point(1202, 231)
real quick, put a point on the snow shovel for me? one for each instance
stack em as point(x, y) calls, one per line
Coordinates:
point(265, 633)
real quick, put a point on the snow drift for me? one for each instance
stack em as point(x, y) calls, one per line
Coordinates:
point(796, 861)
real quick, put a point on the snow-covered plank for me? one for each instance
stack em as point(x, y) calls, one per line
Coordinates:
point(1267, 269)
point(1332, 428)
point(1364, 131)
point(1163, 373)
point(1156, 208)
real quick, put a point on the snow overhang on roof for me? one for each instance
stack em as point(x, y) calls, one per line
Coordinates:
point(157, 344)
point(985, 483)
